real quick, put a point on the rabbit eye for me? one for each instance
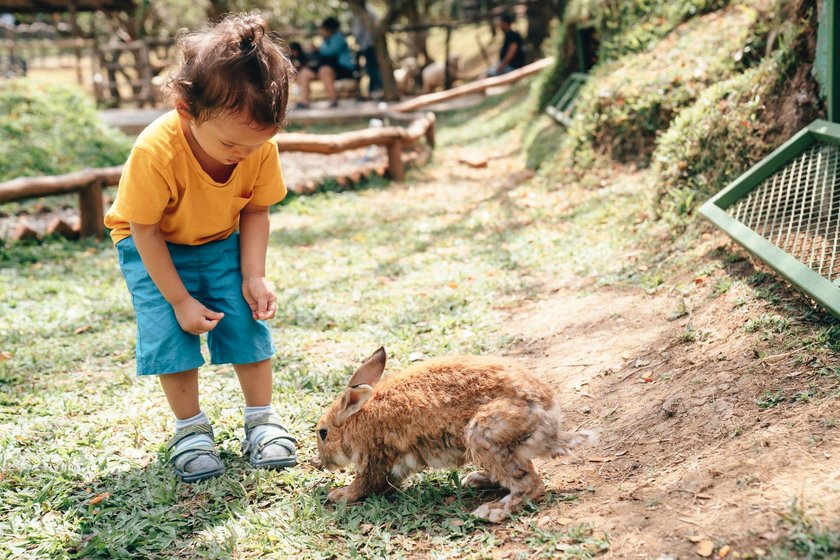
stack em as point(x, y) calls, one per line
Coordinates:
point(322, 433)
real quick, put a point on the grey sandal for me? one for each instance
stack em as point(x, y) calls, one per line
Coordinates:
point(280, 436)
point(183, 457)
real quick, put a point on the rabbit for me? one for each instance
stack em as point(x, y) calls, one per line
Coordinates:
point(443, 413)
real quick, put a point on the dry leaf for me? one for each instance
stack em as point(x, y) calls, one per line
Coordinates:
point(703, 496)
point(82, 329)
point(705, 548)
point(724, 551)
point(696, 538)
point(96, 499)
point(5, 355)
point(365, 528)
point(449, 499)
point(456, 522)
point(564, 521)
point(453, 285)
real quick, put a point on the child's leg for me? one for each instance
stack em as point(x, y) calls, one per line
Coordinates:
point(162, 348)
point(192, 449)
point(267, 442)
point(181, 391)
point(255, 380)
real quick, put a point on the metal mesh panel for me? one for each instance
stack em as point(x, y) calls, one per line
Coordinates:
point(798, 209)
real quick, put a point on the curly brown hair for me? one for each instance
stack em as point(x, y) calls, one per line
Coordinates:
point(233, 66)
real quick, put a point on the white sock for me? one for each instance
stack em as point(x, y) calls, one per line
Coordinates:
point(272, 451)
point(202, 462)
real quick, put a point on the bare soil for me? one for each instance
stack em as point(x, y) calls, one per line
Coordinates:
point(708, 430)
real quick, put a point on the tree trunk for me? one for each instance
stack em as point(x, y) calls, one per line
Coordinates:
point(378, 31)
point(539, 19)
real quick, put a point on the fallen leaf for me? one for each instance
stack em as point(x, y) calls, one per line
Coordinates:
point(564, 521)
point(5, 355)
point(703, 496)
point(449, 499)
point(365, 528)
point(601, 459)
point(96, 499)
point(453, 285)
point(698, 280)
point(705, 548)
point(456, 522)
point(696, 538)
point(724, 551)
point(82, 329)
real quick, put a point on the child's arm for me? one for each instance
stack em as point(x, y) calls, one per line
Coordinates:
point(253, 242)
point(193, 317)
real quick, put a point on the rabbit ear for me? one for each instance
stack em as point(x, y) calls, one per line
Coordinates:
point(370, 372)
point(352, 401)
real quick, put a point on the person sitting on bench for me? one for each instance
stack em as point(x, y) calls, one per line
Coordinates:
point(512, 55)
point(335, 62)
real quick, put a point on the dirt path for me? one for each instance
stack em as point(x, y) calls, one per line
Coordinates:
point(693, 445)
point(685, 451)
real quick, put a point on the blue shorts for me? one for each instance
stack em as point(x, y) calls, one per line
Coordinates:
point(211, 274)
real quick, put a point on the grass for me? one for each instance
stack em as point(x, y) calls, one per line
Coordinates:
point(806, 538)
point(429, 266)
point(417, 268)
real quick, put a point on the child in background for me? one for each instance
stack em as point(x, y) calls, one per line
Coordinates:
point(191, 223)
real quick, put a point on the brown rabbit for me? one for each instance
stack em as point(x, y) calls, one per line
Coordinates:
point(442, 413)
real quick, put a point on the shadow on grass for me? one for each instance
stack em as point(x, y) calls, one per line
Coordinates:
point(147, 513)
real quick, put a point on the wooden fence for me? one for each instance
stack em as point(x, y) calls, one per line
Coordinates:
point(89, 183)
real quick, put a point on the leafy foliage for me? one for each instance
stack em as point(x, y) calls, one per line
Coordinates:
point(633, 26)
point(53, 130)
point(715, 140)
point(628, 101)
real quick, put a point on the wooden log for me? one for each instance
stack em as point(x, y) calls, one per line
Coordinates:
point(91, 212)
point(477, 86)
point(430, 135)
point(396, 169)
point(33, 187)
point(336, 143)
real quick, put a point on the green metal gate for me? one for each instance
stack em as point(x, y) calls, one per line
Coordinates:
point(786, 209)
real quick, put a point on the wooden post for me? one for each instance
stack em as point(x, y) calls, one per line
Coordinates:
point(91, 211)
point(447, 79)
point(77, 34)
point(396, 169)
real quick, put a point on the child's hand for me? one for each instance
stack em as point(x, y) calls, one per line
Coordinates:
point(259, 293)
point(194, 318)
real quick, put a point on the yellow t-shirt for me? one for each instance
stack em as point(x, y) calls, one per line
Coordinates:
point(162, 181)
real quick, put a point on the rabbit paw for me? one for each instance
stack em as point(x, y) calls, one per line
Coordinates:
point(339, 494)
point(494, 512)
point(478, 480)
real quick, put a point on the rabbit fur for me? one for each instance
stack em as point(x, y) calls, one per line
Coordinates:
point(443, 413)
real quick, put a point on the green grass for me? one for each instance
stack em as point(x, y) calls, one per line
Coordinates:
point(806, 538)
point(417, 268)
point(429, 266)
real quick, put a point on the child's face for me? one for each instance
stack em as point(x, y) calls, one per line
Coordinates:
point(230, 138)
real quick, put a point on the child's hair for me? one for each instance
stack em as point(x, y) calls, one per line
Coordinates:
point(233, 66)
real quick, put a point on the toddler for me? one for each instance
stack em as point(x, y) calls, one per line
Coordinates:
point(190, 223)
